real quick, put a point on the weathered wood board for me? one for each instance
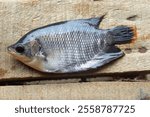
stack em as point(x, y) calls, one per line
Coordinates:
point(20, 16)
point(99, 90)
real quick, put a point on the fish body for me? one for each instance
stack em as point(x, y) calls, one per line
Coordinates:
point(71, 46)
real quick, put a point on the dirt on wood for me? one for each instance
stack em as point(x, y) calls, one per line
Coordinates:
point(2, 72)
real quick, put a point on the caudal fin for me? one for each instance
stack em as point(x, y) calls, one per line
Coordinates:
point(124, 34)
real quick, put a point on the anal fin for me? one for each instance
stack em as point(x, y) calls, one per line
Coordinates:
point(99, 60)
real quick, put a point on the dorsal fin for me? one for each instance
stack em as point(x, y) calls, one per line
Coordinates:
point(94, 21)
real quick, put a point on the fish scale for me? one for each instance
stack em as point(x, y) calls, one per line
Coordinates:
point(74, 50)
point(74, 46)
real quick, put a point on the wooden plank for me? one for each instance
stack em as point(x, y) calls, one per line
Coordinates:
point(139, 63)
point(19, 16)
point(99, 90)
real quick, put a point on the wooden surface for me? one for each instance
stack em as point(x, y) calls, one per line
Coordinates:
point(109, 90)
point(20, 16)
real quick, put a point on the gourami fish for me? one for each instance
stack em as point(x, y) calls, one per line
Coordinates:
point(71, 46)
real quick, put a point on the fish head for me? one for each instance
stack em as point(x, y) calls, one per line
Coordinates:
point(21, 51)
point(25, 50)
point(28, 50)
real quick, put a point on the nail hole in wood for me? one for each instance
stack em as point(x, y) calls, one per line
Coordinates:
point(128, 50)
point(142, 49)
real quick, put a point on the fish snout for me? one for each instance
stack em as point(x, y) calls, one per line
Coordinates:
point(9, 48)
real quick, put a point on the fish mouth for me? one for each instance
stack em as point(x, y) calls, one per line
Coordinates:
point(11, 50)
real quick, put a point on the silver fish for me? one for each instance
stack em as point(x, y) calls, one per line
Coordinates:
point(71, 46)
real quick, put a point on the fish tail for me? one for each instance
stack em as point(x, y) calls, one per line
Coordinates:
point(124, 34)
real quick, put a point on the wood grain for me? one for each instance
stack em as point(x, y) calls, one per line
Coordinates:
point(109, 90)
point(20, 16)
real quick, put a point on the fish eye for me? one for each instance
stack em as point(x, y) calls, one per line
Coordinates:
point(20, 49)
